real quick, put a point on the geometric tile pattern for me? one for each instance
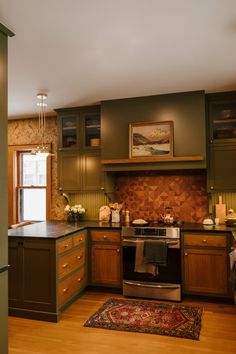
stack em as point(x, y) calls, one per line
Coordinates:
point(147, 194)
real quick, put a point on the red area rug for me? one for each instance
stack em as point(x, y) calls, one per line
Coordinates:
point(148, 317)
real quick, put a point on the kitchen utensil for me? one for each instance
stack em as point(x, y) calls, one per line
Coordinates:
point(220, 211)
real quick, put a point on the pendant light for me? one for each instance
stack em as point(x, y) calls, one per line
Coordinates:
point(42, 148)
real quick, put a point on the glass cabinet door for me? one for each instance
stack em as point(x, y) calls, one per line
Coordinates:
point(92, 127)
point(69, 131)
point(223, 120)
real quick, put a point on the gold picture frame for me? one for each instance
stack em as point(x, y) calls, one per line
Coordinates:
point(153, 139)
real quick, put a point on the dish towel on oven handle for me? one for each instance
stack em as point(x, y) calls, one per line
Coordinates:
point(155, 251)
point(140, 266)
point(150, 254)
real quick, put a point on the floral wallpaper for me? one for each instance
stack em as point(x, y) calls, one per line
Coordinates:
point(147, 194)
point(25, 131)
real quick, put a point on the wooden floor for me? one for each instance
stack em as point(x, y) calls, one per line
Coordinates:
point(218, 334)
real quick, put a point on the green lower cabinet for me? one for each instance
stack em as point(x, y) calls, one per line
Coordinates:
point(46, 275)
point(32, 275)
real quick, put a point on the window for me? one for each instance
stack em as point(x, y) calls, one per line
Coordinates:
point(32, 184)
point(30, 195)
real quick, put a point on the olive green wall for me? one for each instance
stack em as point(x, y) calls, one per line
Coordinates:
point(186, 110)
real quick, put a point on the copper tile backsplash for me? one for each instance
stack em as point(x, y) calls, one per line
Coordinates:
point(147, 194)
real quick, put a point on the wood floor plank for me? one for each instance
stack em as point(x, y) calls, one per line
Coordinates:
point(218, 334)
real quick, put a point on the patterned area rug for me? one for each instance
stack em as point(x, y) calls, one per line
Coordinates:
point(148, 317)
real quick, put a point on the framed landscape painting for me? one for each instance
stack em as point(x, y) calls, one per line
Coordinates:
point(154, 139)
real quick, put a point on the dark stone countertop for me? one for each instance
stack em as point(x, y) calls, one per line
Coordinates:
point(57, 229)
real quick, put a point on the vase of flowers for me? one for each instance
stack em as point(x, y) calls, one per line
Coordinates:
point(74, 212)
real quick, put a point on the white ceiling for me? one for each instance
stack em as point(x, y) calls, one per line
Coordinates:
point(84, 51)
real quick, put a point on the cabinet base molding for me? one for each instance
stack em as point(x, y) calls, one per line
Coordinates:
point(34, 315)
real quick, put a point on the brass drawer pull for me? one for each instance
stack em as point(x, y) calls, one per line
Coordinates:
point(79, 280)
point(80, 239)
point(186, 254)
point(65, 265)
point(118, 250)
point(65, 290)
point(66, 245)
point(204, 241)
point(79, 257)
point(105, 237)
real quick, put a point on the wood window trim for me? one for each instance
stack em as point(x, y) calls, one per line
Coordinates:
point(13, 169)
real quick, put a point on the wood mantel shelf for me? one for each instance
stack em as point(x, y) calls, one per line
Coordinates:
point(153, 159)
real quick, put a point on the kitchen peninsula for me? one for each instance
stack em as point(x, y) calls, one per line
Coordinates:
point(51, 262)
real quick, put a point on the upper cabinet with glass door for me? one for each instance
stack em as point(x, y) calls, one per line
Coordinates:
point(79, 128)
point(91, 129)
point(222, 117)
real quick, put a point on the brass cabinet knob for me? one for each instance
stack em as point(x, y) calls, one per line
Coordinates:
point(118, 250)
point(65, 290)
point(65, 265)
point(66, 245)
point(105, 237)
point(79, 257)
point(186, 254)
point(204, 241)
point(211, 187)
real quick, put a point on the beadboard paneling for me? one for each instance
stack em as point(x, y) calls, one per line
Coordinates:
point(91, 202)
point(228, 198)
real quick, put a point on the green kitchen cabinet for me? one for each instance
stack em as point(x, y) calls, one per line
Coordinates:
point(222, 168)
point(46, 275)
point(79, 149)
point(80, 171)
point(32, 273)
point(79, 128)
point(221, 141)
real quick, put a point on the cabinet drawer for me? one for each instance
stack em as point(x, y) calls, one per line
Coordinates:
point(64, 245)
point(70, 262)
point(111, 236)
point(78, 239)
point(205, 240)
point(68, 287)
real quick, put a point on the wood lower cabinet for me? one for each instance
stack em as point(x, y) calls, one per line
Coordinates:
point(71, 268)
point(205, 264)
point(46, 275)
point(105, 258)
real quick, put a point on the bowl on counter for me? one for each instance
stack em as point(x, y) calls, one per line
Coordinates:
point(230, 222)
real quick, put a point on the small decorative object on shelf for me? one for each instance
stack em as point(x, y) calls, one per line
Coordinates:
point(74, 212)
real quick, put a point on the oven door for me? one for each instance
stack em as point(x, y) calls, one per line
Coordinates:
point(165, 285)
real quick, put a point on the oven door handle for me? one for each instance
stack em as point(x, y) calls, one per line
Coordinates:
point(159, 286)
point(168, 243)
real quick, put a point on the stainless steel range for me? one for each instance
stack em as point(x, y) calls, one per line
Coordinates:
point(164, 284)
